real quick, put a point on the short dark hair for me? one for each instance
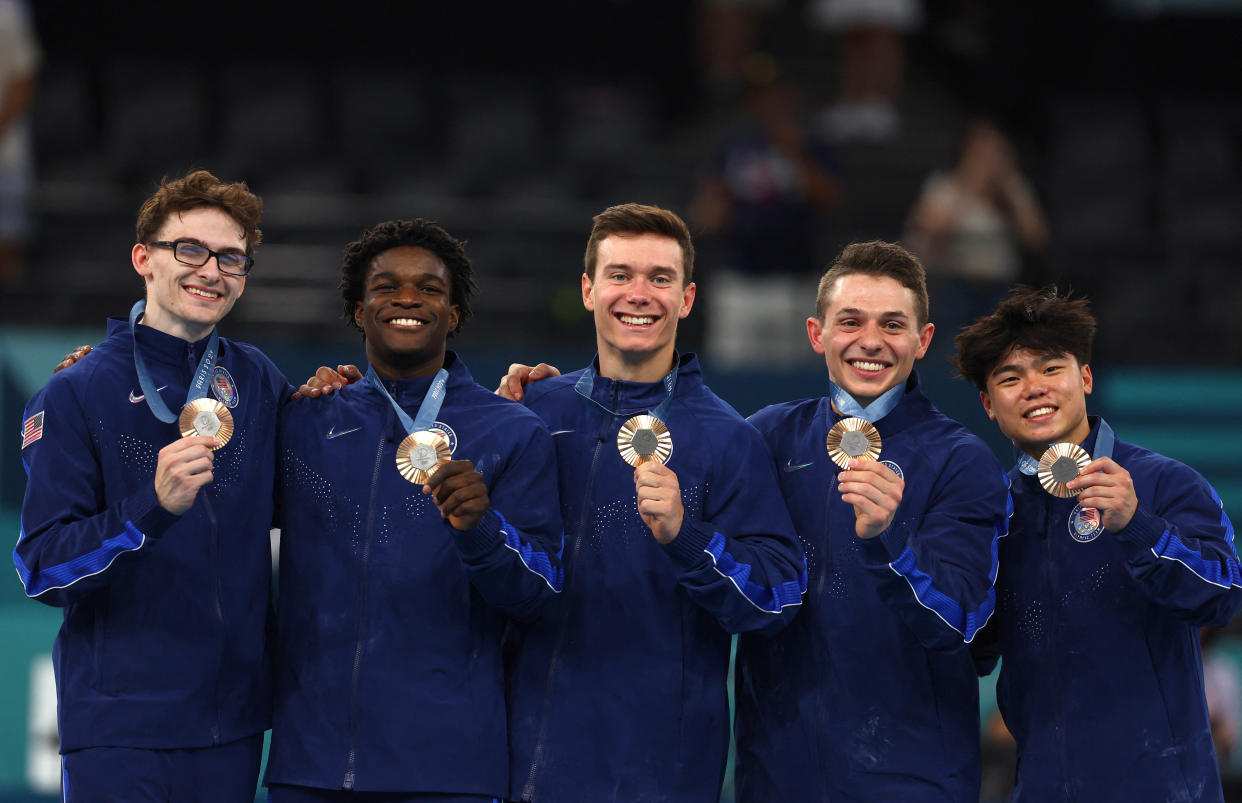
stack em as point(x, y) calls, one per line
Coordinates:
point(418, 233)
point(636, 219)
point(1042, 320)
point(877, 258)
point(200, 188)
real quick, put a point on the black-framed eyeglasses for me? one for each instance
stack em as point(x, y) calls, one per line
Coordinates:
point(188, 252)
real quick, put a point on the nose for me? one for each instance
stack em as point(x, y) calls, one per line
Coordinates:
point(869, 337)
point(407, 295)
point(638, 292)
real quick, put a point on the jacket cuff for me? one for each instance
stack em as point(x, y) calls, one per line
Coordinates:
point(482, 539)
point(1143, 531)
point(146, 514)
point(690, 546)
point(885, 548)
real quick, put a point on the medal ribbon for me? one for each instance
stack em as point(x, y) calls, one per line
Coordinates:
point(1104, 441)
point(848, 406)
point(586, 384)
point(427, 411)
point(198, 386)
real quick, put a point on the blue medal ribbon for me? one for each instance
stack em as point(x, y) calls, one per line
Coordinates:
point(199, 384)
point(848, 406)
point(427, 411)
point(586, 385)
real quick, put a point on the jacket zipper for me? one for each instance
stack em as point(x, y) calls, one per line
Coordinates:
point(348, 782)
point(1049, 514)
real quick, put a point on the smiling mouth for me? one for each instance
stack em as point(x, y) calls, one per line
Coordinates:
point(636, 320)
point(406, 322)
point(1039, 411)
point(207, 294)
point(867, 365)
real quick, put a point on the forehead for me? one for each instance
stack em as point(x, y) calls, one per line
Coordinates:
point(409, 259)
point(208, 224)
point(877, 295)
point(645, 251)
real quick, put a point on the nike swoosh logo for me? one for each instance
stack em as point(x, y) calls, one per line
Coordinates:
point(562, 432)
point(332, 433)
point(135, 399)
point(789, 465)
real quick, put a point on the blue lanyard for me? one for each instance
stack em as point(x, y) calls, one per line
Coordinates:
point(1104, 442)
point(586, 384)
point(427, 411)
point(198, 386)
point(847, 405)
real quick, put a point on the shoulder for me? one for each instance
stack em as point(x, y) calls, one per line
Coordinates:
point(477, 399)
point(552, 389)
point(1146, 466)
point(776, 417)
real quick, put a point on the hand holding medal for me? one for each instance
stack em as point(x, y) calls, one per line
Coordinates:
point(1062, 463)
point(871, 488)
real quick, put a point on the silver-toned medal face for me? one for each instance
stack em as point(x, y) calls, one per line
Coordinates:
point(206, 417)
point(1059, 464)
point(421, 453)
point(852, 438)
point(644, 438)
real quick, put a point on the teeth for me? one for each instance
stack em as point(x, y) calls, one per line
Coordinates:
point(203, 293)
point(406, 322)
point(1039, 411)
point(637, 320)
point(863, 365)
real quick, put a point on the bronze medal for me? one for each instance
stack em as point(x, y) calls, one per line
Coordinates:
point(421, 453)
point(1061, 463)
point(644, 438)
point(206, 417)
point(853, 437)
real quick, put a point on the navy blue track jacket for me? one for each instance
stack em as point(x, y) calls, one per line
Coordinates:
point(164, 640)
point(1101, 678)
point(389, 671)
point(870, 694)
point(618, 693)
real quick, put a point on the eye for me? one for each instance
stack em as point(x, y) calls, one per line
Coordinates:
point(661, 280)
point(432, 289)
point(893, 326)
point(848, 323)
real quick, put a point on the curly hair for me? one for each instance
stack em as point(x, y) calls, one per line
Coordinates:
point(877, 258)
point(397, 233)
point(1042, 320)
point(200, 188)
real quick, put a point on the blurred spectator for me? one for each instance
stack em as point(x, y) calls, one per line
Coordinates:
point(1224, 698)
point(970, 226)
point(873, 63)
point(19, 62)
point(765, 190)
point(727, 34)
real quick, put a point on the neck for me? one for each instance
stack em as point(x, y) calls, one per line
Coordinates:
point(627, 367)
point(389, 366)
point(189, 332)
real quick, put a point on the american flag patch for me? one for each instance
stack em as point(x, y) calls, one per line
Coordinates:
point(32, 429)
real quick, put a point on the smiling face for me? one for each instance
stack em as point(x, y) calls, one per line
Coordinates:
point(637, 294)
point(406, 313)
point(1037, 398)
point(870, 335)
point(183, 300)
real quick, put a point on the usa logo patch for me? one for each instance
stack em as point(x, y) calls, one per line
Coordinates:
point(896, 469)
point(448, 432)
point(1085, 524)
point(223, 387)
point(32, 429)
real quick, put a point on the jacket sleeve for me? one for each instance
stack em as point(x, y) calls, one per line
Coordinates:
point(742, 561)
point(1179, 547)
point(71, 537)
point(513, 557)
point(936, 567)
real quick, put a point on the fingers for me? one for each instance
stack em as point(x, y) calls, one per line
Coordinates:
point(328, 381)
point(182, 467)
point(350, 373)
point(874, 491)
point(513, 383)
point(460, 493)
point(72, 357)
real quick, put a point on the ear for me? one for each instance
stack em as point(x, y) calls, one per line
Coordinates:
point(140, 256)
point(358, 314)
point(687, 299)
point(815, 332)
point(987, 404)
point(454, 317)
point(587, 300)
point(925, 339)
point(1087, 381)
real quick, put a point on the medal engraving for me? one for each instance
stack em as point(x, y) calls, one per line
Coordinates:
point(852, 438)
point(1061, 463)
point(644, 438)
point(206, 417)
point(420, 454)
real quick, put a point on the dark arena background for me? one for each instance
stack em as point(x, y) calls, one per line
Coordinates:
point(512, 125)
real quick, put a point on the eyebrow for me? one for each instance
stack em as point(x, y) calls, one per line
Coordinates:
point(1042, 360)
point(858, 312)
point(392, 277)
